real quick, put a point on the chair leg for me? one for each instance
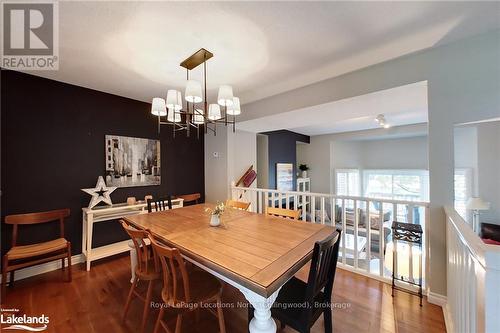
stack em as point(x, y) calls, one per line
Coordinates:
point(220, 315)
point(129, 298)
point(158, 321)
point(4, 276)
point(62, 264)
point(69, 263)
point(11, 281)
point(327, 314)
point(178, 324)
point(147, 305)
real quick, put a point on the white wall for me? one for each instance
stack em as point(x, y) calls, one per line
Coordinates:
point(263, 161)
point(236, 153)
point(364, 150)
point(488, 160)
point(463, 86)
point(242, 152)
point(216, 168)
point(477, 147)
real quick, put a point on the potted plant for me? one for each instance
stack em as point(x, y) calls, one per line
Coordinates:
point(303, 168)
point(216, 214)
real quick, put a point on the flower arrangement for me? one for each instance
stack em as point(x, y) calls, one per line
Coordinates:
point(216, 213)
point(217, 210)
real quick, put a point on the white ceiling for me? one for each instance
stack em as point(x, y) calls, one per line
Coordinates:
point(403, 105)
point(133, 49)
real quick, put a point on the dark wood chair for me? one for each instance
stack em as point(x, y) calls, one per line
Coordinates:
point(20, 256)
point(147, 270)
point(190, 199)
point(316, 293)
point(185, 291)
point(156, 205)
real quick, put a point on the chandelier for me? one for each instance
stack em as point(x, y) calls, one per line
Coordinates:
point(197, 114)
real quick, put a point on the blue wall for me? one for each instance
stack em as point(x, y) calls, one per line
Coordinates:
point(282, 148)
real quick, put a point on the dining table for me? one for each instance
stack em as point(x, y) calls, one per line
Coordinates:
point(255, 253)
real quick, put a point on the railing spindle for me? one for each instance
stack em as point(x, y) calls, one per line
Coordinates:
point(368, 236)
point(344, 230)
point(322, 210)
point(356, 220)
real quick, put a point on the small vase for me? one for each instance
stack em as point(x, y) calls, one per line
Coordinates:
point(304, 174)
point(215, 221)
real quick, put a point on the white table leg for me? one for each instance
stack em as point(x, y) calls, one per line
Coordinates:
point(90, 221)
point(133, 259)
point(262, 322)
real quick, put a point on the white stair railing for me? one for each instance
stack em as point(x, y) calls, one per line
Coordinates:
point(473, 279)
point(364, 240)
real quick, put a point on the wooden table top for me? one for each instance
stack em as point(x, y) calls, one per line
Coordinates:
point(256, 251)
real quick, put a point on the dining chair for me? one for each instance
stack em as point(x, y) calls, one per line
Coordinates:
point(281, 212)
point(237, 204)
point(316, 294)
point(156, 205)
point(190, 199)
point(19, 255)
point(185, 292)
point(147, 270)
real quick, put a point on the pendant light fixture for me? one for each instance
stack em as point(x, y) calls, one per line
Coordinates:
point(198, 113)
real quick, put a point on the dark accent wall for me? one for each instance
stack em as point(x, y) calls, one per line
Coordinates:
point(282, 148)
point(53, 145)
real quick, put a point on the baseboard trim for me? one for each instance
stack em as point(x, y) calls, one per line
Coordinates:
point(436, 299)
point(448, 322)
point(43, 268)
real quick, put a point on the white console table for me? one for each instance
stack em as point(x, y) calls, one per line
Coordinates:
point(109, 213)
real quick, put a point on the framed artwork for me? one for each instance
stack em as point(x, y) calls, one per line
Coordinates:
point(284, 176)
point(132, 161)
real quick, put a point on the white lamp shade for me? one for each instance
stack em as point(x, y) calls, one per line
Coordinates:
point(174, 116)
point(403, 263)
point(225, 96)
point(158, 107)
point(193, 92)
point(214, 112)
point(475, 203)
point(174, 100)
point(198, 116)
point(234, 109)
point(179, 101)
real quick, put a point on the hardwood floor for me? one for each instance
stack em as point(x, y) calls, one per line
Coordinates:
point(93, 302)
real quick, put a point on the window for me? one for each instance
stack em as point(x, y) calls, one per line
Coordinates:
point(408, 185)
point(347, 182)
point(463, 188)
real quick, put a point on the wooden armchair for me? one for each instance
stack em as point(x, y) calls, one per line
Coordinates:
point(285, 213)
point(20, 256)
point(237, 204)
point(190, 199)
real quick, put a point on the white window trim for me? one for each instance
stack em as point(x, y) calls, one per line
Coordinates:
point(347, 170)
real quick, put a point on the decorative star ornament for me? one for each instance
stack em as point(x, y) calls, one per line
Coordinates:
point(100, 193)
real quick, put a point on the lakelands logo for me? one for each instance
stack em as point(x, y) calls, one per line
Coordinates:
point(30, 38)
point(24, 322)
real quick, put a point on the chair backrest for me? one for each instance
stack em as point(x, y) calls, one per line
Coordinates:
point(237, 204)
point(36, 218)
point(323, 266)
point(142, 250)
point(156, 205)
point(174, 272)
point(190, 198)
point(281, 212)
